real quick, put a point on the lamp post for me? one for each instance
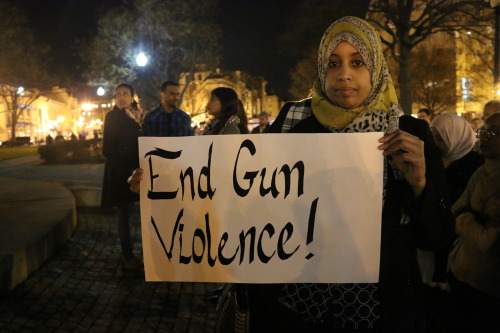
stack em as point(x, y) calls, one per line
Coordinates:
point(100, 91)
point(141, 59)
point(496, 5)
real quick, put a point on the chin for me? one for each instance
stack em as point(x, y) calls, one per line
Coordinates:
point(349, 107)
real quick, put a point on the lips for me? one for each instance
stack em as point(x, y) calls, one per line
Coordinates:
point(346, 91)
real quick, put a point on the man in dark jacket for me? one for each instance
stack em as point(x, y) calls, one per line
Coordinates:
point(167, 120)
point(263, 124)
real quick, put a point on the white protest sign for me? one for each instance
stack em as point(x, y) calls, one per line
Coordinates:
point(267, 208)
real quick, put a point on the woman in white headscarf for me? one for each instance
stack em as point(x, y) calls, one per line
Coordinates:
point(455, 138)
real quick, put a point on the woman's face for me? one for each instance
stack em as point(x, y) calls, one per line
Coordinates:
point(214, 106)
point(347, 81)
point(438, 139)
point(489, 142)
point(123, 97)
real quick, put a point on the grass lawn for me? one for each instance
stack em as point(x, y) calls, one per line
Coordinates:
point(7, 153)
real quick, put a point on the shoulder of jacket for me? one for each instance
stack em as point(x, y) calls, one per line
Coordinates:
point(230, 129)
point(151, 113)
point(112, 113)
point(413, 125)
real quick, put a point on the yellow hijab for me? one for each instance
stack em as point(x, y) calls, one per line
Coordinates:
point(366, 40)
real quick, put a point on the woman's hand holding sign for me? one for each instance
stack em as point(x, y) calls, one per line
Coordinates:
point(135, 180)
point(407, 155)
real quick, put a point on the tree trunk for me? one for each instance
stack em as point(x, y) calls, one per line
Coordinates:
point(13, 125)
point(404, 79)
point(189, 77)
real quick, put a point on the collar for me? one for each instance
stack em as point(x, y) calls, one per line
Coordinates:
point(165, 111)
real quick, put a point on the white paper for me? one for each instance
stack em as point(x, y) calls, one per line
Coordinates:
point(330, 233)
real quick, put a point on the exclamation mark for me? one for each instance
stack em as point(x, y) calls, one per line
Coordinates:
point(310, 226)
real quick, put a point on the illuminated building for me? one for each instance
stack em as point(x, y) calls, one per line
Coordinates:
point(251, 91)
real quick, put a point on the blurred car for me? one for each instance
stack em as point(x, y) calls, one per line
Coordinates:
point(20, 141)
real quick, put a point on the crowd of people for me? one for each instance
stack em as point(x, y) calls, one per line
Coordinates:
point(441, 201)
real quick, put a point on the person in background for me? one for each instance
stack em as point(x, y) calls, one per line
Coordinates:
point(425, 114)
point(167, 120)
point(490, 108)
point(243, 117)
point(59, 138)
point(456, 139)
point(263, 124)
point(476, 124)
point(229, 118)
point(474, 261)
point(354, 93)
point(224, 106)
point(122, 128)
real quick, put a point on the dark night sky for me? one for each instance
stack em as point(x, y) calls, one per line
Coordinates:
point(250, 33)
point(250, 39)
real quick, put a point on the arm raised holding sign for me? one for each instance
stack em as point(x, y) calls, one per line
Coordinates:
point(135, 180)
point(407, 155)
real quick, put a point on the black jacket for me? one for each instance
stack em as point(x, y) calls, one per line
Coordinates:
point(430, 227)
point(121, 149)
point(256, 129)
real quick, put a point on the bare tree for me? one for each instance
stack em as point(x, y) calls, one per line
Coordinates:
point(174, 35)
point(433, 73)
point(404, 24)
point(22, 67)
point(303, 75)
point(476, 66)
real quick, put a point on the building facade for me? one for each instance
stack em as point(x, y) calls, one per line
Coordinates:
point(251, 91)
point(54, 112)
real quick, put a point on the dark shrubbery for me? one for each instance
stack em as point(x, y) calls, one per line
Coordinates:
point(74, 151)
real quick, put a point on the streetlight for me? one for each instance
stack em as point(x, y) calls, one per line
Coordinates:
point(100, 91)
point(142, 60)
point(496, 5)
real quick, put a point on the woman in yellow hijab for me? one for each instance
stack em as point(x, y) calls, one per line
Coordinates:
point(354, 93)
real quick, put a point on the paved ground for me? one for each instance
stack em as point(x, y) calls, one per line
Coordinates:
point(31, 167)
point(83, 288)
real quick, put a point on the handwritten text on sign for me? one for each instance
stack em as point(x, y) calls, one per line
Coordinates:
point(262, 208)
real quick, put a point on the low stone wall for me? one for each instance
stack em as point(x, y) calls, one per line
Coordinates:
point(36, 219)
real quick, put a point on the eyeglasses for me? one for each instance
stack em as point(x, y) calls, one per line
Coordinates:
point(490, 134)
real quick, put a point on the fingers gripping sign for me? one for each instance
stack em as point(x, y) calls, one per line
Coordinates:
point(406, 154)
point(135, 180)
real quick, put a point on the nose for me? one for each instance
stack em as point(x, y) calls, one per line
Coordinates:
point(344, 74)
